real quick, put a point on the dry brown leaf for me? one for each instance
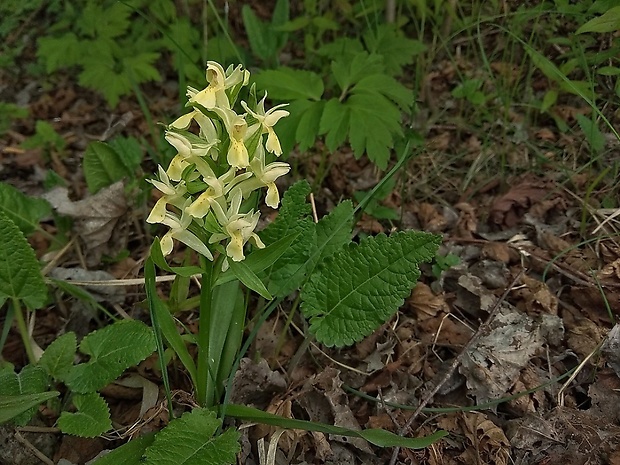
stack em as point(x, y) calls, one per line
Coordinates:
point(537, 297)
point(467, 224)
point(498, 251)
point(508, 208)
point(488, 439)
point(96, 217)
point(424, 303)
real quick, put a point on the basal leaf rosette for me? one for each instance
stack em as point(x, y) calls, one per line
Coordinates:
point(222, 158)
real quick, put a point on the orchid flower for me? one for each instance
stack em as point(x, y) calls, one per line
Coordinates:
point(214, 95)
point(236, 127)
point(268, 120)
point(173, 195)
point(186, 151)
point(264, 176)
point(178, 230)
point(239, 227)
point(218, 187)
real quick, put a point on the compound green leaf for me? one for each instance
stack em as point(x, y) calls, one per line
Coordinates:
point(387, 86)
point(112, 350)
point(57, 360)
point(348, 73)
point(307, 130)
point(20, 274)
point(290, 84)
point(396, 49)
point(334, 123)
point(357, 289)
point(24, 211)
point(190, 440)
point(91, 419)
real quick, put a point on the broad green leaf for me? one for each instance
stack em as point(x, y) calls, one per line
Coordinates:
point(103, 166)
point(12, 406)
point(378, 437)
point(190, 440)
point(57, 360)
point(357, 289)
point(129, 151)
point(112, 350)
point(249, 278)
point(91, 419)
point(290, 84)
point(24, 211)
point(31, 380)
point(20, 274)
point(608, 22)
point(129, 453)
point(594, 136)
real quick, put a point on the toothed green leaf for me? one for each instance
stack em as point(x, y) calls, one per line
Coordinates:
point(190, 440)
point(32, 380)
point(91, 419)
point(357, 289)
point(57, 360)
point(20, 273)
point(112, 350)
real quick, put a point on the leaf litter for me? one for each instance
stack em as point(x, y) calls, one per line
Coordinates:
point(551, 323)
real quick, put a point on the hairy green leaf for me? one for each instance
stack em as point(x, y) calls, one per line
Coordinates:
point(190, 440)
point(332, 233)
point(24, 211)
point(357, 289)
point(91, 419)
point(31, 380)
point(20, 274)
point(57, 360)
point(14, 405)
point(112, 350)
point(129, 453)
point(103, 166)
point(293, 218)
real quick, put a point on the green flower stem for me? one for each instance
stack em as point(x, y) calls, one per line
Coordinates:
point(204, 388)
point(23, 329)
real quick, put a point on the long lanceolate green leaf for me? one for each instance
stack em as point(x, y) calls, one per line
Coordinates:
point(378, 437)
point(13, 406)
point(360, 287)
